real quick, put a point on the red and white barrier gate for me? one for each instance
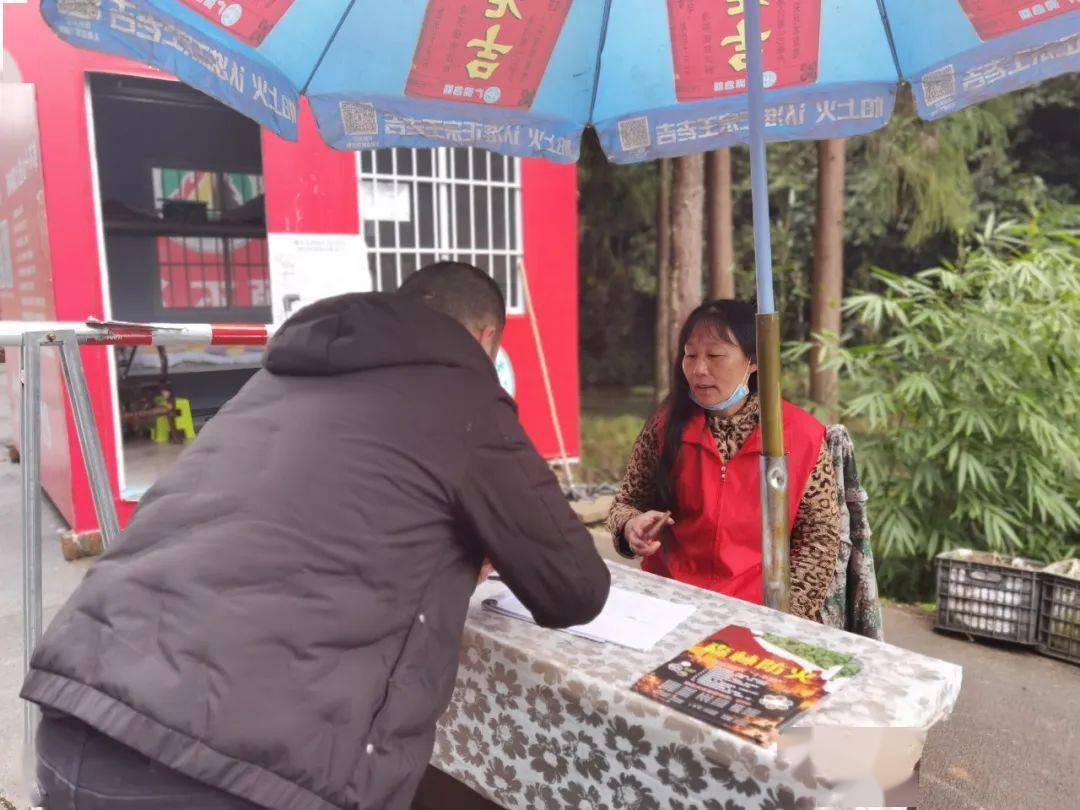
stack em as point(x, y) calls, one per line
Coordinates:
point(31, 337)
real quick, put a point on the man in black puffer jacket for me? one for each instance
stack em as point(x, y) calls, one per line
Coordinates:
point(280, 624)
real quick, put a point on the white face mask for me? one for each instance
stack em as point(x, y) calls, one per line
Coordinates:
point(741, 392)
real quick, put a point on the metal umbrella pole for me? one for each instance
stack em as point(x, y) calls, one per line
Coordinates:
point(775, 571)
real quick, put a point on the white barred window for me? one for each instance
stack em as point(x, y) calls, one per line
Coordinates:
point(424, 205)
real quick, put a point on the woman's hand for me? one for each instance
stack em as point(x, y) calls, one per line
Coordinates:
point(642, 532)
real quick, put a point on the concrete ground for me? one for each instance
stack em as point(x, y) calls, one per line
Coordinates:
point(1013, 742)
point(60, 579)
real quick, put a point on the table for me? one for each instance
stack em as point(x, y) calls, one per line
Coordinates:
point(542, 720)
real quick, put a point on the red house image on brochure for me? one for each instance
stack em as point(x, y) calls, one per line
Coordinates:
point(212, 263)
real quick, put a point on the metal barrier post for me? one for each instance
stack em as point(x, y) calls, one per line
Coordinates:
point(89, 440)
point(30, 418)
point(67, 337)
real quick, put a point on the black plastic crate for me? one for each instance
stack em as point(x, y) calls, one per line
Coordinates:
point(1059, 617)
point(988, 595)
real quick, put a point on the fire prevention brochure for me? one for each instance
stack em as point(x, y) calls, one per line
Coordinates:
point(748, 684)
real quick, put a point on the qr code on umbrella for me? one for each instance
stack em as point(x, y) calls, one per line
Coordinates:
point(634, 134)
point(939, 86)
point(83, 9)
point(359, 119)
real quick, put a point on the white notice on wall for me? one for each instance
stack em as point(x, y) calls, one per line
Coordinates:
point(306, 267)
point(382, 201)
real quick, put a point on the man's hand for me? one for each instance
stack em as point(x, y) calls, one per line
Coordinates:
point(642, 533)
point(485, 571)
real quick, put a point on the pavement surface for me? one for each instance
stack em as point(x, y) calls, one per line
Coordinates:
point(1013, 742)
point(59, 579)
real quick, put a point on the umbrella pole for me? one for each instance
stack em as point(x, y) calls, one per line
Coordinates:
point(775, 569)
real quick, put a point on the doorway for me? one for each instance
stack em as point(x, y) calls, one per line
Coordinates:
point(182, 204)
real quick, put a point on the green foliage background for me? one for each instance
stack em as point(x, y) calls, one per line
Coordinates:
point(915, 191)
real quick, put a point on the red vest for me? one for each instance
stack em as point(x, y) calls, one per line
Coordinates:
point(716, 540)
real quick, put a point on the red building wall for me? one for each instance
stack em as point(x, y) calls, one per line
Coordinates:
point(310, 188)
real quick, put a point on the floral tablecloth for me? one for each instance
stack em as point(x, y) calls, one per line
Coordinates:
point(542, 719)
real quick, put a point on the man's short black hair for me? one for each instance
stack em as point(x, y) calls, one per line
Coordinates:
point(458, 289)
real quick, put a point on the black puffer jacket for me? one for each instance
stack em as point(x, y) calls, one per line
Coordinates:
point(282, 618)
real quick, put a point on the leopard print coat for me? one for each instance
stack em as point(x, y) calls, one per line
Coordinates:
point(815, 537)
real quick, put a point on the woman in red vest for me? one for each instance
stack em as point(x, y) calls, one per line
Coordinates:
point(690, 504)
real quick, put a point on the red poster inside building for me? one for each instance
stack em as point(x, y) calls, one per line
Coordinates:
point(708, 42)
point(485, 51)
point(211, 272)
point(248, 20)
point(995, 18)
point(26, 288)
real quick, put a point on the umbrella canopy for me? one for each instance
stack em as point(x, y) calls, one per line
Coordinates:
point(656, 78)
point(957, 53)
point(673, 77)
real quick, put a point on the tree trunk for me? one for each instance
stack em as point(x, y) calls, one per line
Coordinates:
point(827, 279)
point(687, 240)
point(721, 225)
point(663, 281)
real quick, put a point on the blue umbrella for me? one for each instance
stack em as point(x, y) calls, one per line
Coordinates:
point(655, 78)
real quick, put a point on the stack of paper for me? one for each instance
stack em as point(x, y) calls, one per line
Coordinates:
point(628, 619)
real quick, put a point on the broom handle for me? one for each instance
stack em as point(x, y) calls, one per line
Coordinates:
point(544, 373)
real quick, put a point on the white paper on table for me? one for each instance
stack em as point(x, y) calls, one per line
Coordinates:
point(628, 619)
